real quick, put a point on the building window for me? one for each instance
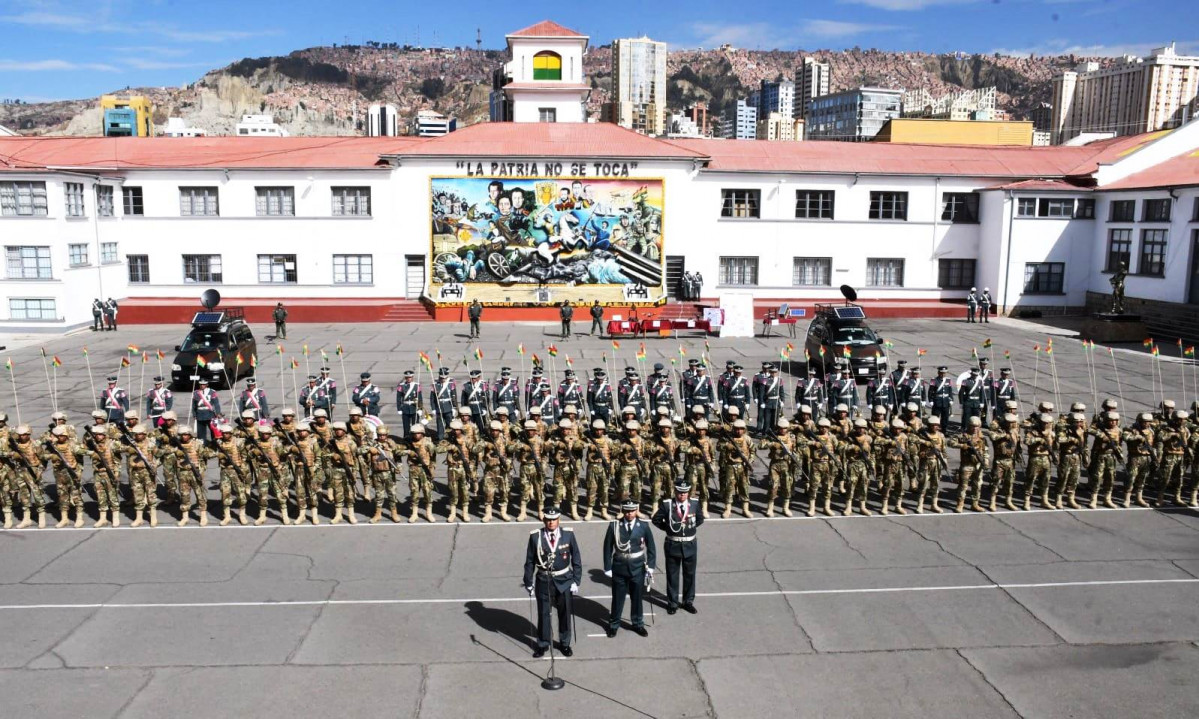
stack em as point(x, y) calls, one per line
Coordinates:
point(108, 253)
point(1122, 211)
point(1055, 207)
point(351, 201)
point(547, 66)
point(884, 272)
point(1119, 250)
point(959, 207)
point(1085, 209)
point(1195, 211)
point(139, 269)
point(1153, 253)
point(277, 269)
point(74, 198)
point(20, 308)
point(814, 204)
point(739, 271)
point(547, 114)
point(1044, 278)
point(1026, 207)
point(352, 270)
point(104, 206)
point(77, 255)
point(740, 203)
point(812, 271)
point(199, 202)
point(888, 205)
point(201, 268)
point(955, 274)
point(1156, 211)
point(131, 199)
point(23, 199)
point(28, 262)
point(275, 201)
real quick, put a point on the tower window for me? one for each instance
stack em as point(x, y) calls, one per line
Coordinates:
point(547, 66)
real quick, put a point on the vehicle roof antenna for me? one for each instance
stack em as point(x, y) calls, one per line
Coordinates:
point(849, 293)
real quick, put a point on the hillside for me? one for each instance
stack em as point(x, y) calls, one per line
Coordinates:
point(321, 90)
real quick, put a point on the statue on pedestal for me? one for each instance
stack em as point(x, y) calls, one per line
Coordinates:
point(1117, 282)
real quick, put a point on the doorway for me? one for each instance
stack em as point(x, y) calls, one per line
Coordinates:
point(675, 267)
point(414, 276)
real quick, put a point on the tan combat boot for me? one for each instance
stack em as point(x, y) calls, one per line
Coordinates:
point(153, 517)
point(241, 515)
point(504, 512)
point(466, 513)
point(960, 505)
point(703, 508)
point(745, 508)
point(1107, 500)
point(414, 515)
point(975, 507)
point(523, 515)
point(453, 513)
point(1070, 501)
point(848, 509)
point(336, 516)
point(992, 505)
point(302, 516)
point(828, 510)
point(137, 518)
point(316, 515)
point(604, 512)
point(1046, 503)
point(864, 509)
point(899, 507)
point(261, 517)
point(1027, 503)
point(1094, 500)
point(225, 518)
point(574, 511)
point(66, 519)
point(728, 511)
point(41, 518)
point(78, 517)
point(102, 521)
point(351, 517)
point(116, 517)
point(787, 509)
point(920, 504)
point(204, 519)
point(486, 513)
point(429, 512)
point(886, 504)
point(283, 513)
point(395, 512)
point(770, 505)
point(1127, 498)
point(587, 516)
point(27, 521)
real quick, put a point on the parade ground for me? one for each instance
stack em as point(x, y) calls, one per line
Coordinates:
point(1042, 613)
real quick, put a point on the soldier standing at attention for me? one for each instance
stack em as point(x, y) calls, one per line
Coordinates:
point(1139, 440)
point(106, 481)
point(366, 396)
point(972, 395)
point(598, 453)
point(280, 317)
point(566, 313)
point(984, 305)
point(342, 454)
point(599, 396)
point(941, 395)
point(1173, 445)
point(143, 472)
point(972, 446)
point(629, 560)
point(191, 458)
point(381, 454)
point(530, 452)
point(770, 400)
point(457, 452)
point(857, 466)
point(493, 453)
point(506, 394)
point(443, 400)
point(408, 402)
point(597, 319)
point(115, 401)
point(931, 456)
point(1105, 450)
point(1039, 441)
point(329, 384)
point(235, 475)
point(782, 448)
point(1005, 441)
point(553, 569)
point(475, 313)
point(680, 518)
point(844, 390)
point(421, 454)
point(891, 450)
point(66, 460)
point(314, 397)
point(1071, 444)
point(736, 467)
point(971, 304)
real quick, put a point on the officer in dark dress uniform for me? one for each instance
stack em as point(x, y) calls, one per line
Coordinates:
point(679, 518)
point(366, 396)
point(735, 392)
point(941, 394)
point(599, 396)
point(811, 392)
point(553, 570)
point(443, 400)
point(629, 559)
point(507, 393)
point(409, 403)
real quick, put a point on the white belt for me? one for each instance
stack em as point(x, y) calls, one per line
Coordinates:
point(681, 539)
point(560, 572)
point(631, 555)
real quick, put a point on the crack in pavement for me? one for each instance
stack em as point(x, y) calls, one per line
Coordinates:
point(844, 539)
point(703, 685)
point(937, 542)
point(1029, 537)
point(422, 690)
point(149, 677)
point(449, 562)
point(316, 616)
point(1183, 569)
point(55, 558)
point(779, 586)
point(982, 675)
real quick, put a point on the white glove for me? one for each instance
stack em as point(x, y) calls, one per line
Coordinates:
point(574, 588)
point(530, 590)
point(608, 574)
point(649, 573)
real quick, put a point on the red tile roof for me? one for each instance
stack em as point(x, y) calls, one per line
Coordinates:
point(548, 139)
point(1180, 171)
point(1040, 186)
point(546, 28)
point(99, 153)
point(906, 159)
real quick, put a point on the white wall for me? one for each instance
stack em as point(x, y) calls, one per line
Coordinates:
point(523, 50)
point(1175, 285)
point(526, 105)
point(1048, 239)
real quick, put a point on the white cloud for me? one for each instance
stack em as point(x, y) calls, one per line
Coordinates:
point(138, 63)
point(773, 36)
point(86, 25)
point(907, 5)
point(836, 28)
point(1065, 47)
point(53, 65)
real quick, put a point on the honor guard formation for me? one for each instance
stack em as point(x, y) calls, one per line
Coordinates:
point(507, 446)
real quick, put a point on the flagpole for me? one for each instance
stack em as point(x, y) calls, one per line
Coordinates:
point(1057, 400)
point(49, 387)
point(307, 364)
point(1182, 370)
point(1036, 373)
point(158, 357)
point(1116, 369)
point(90, 380)
point(16, 402)
point(294, 387)
point(341, 358)
point(55, 395)
point(141, 381)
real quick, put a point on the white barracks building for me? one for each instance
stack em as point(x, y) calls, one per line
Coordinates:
point(392, 228)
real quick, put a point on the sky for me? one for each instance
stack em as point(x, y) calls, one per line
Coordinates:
point(63, 49)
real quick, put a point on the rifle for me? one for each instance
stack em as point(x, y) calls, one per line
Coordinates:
point(129, 441)
point(178, 444)
point(70, 471)
point(791, 456)
point(262, 451)
point(292, 441)
point(229, 460)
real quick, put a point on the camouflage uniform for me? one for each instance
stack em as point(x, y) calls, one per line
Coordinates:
point(234, 475)
point(565, 454)
point(66, 461)
point(1139, 440)
point(493, 454)
point(1105, 449)
point(26, 482)
point(271, 473)
point(341, 453)
point(1039, 442)
point(664, 451)
point(782, 449)
point(106, 480)
point(1071, 444)
point(382, 473)
point(1173, 443)
point(972, 461)
point(598, 453)
point(459, 474)
point(308, 467)
point(857, 467)
point(700, 467)
point(189, 454)
point(634, 464)
point(530, 452)
point(1005, 440)
point(823, 466)
point(736, 455)
point(930, 446)
point(166, 435)
point(889, 452)
point(143, 475)
point(421, 454)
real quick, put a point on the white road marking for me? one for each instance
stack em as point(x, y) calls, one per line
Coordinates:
point(513, 600)
point(716, 520)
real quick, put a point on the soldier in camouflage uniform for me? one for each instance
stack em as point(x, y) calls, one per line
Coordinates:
point(421, 454)
point(1139, 441)
point(342, 455)
point(360, 432)
point(141, 457)
point(234, 474)
point(308, 467)
point(27, 465)
point(66, 461)
point(782, 448)
point(1039, 441)
point(823, 466)
point(265, 454)
point(736, 468)
point(191, 458)
point(1105, 450)
point(972, 446)
point(566, 454)
point(889, 452)
point(530, 452)
point(1173, 442)
point(456, 449)
point(634, 462)
point(106, 479)
point(1005, 441)
point(167, 433)
point(493, 454)
point(599, 449)
point(323, 431)
point(1071, 444)
point(857, 462)
point(664, 453)
point(380, 454)
point(930, 445)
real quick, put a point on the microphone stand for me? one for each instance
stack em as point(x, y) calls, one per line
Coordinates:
point(551, 682)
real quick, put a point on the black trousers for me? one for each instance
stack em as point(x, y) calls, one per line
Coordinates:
point(474, 328)
point(680, 556)
point(943, 413)
point(632, 584)
point(545, 603)
point(597, 327)
point(565, 329)
point(406, 421)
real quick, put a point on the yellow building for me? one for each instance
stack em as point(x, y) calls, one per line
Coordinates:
point(126, 116)
point(956, 132)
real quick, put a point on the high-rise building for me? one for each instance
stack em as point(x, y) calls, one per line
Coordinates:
point(740, 121)
point(779, 127)
point(638, 85)
point(1130, 96)
point(698, 113)
point(1042, 116)
point(852, 115)
point(811, 81)
point(429, 123)
point(776, 97)
point(977, 104)
point(382, 120)
point(543, 82)
point(127, 116)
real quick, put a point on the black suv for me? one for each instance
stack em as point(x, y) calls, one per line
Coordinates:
point(837, 328)
point(219, 337)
